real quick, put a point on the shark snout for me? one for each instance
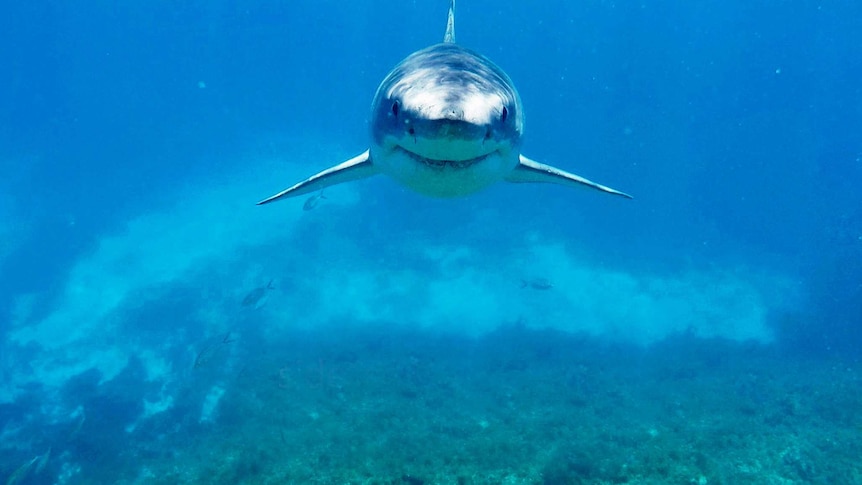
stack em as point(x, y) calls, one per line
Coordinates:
point(453, 114)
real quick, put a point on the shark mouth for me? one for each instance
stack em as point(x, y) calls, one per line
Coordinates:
point(439, 164)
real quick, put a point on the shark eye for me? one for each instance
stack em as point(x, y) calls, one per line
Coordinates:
point(395, 108)
point(504, 114)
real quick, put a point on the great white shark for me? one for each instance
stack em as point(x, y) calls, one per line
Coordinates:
point(446, 122)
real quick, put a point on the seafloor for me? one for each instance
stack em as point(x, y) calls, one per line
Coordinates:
point(395, 405)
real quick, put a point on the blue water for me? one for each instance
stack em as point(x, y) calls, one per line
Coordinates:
point(707, 331)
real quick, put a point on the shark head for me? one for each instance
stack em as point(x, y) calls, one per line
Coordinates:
point(446, 122)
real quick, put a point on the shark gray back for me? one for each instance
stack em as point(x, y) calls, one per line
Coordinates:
point(445, 122)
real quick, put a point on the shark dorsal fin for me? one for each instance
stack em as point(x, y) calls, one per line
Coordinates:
point(449, 38)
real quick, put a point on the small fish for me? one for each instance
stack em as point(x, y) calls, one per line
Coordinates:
point(43, 461)
point(210, 350)
point(82, 417)
point(22, 472)
point(311, 202)
point(255, 298)
point(537, 284)
point(205, 355)
point(36, 465)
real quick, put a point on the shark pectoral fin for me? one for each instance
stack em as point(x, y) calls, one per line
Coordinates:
point(529, 171)
point(358, 167)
